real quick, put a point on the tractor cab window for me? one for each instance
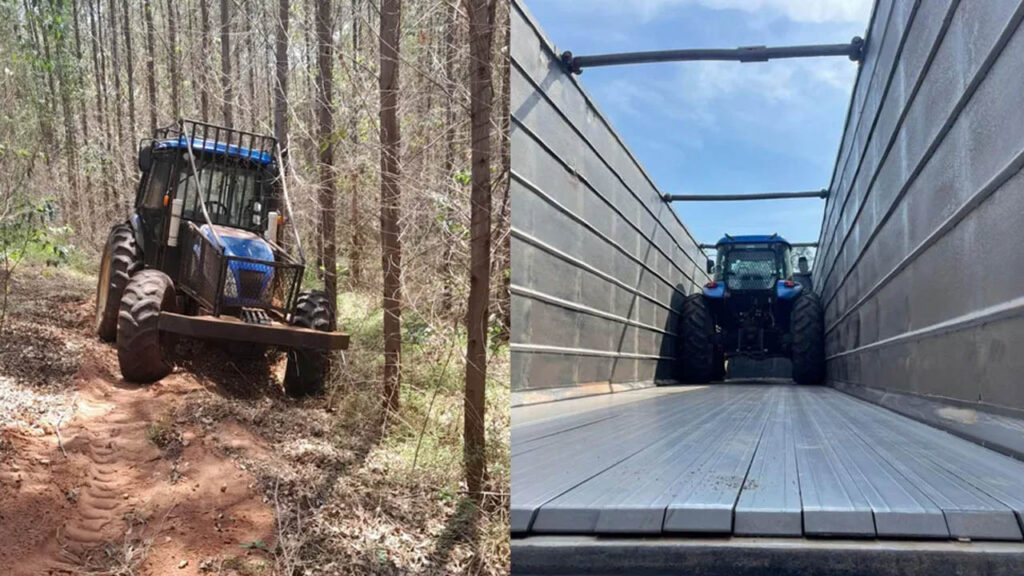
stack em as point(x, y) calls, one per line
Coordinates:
point(750, 268)
point(159, 176)
point(233, 196)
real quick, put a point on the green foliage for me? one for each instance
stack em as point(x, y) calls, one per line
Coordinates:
point(254, 545)
point(28, 232)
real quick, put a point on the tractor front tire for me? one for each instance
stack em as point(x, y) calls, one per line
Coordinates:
point(307, 369)
point(120, 261)
point(141, 351)
point(807, 324)
point(697, 341)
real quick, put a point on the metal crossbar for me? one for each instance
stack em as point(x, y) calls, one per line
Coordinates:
point(854, 50)
point(823, 193)
point(792, 244)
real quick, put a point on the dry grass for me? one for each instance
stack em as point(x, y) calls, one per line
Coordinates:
point(356, 495)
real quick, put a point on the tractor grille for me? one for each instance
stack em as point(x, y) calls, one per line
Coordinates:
point(250, 284)
point(216, 280)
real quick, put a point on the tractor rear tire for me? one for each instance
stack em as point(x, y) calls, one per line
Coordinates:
point(807, 324)
point(697, 341)
point(141, 351)
point(120, 261)
point(307, 369)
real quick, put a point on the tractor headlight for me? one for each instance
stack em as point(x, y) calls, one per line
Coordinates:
point(230, 288)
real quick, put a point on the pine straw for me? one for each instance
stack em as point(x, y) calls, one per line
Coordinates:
point(38, 359)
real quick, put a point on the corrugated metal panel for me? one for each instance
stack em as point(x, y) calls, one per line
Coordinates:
point(918, 264)
point(600, 263)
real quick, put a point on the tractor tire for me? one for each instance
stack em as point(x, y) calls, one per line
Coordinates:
point(697, 341)
point(141, 350)
point(120, 261)
point(307, 369)
point(807, 324)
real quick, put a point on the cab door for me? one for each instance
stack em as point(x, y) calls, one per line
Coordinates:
point(150, 211)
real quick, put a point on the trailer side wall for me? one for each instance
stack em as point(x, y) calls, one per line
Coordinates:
point(600, 263)
point(919, 262)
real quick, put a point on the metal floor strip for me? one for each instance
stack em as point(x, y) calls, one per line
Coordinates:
point(760, 460)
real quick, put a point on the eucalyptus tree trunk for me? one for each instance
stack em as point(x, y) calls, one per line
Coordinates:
point(390, 199)
point(130, 67)
point(325, 129)
point(150, 63)
point(204, 51)
point(172, 57)
point(281, 74)
point(481, 37)
point(225, 62)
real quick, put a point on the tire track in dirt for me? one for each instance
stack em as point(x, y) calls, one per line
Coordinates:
point(110, 445)
point(118, 493)
point(102, 496)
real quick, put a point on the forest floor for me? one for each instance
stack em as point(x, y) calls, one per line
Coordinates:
point(212, 470)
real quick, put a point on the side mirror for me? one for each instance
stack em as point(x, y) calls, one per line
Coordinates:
point(710, 266)
point(145, 157)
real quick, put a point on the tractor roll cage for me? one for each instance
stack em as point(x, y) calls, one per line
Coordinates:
point(270, 286)
point(222, 145)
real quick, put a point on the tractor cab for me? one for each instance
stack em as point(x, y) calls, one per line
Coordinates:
point(749, 265)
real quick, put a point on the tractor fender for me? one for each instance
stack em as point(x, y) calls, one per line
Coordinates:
point(714, 290)
point(786, 292)
point(136, 223)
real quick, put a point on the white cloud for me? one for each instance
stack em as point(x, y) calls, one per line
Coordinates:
point(814, 11)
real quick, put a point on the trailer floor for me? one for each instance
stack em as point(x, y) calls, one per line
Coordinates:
point(753, 459)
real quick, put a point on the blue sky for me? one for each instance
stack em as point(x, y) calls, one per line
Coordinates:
point(722, 127)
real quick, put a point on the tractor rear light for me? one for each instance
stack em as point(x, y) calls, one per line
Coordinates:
point(789, 284)
point(711, 285)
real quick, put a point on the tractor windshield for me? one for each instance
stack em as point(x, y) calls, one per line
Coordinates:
point(755, 267)
point(234, 196)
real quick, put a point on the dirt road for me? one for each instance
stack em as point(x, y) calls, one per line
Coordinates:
point(96, 475)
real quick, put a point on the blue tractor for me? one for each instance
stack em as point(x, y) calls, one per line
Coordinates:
point(753, 307)
point(203, 254)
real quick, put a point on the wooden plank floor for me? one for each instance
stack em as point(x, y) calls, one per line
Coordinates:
point(754, 459)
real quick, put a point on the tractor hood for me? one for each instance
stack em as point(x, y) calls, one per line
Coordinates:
point(240, 243)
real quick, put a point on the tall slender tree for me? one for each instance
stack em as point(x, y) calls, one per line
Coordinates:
point(204, 45)
point(225, 62)
point(504, 250)
point(481, 37)
point(147, 11)
point(355, 253)
point(115, 72)
point(281, 75)
point(129, 66)
point(172, 56)
point(325, 133)
point(390, 198)
point(448, 165)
